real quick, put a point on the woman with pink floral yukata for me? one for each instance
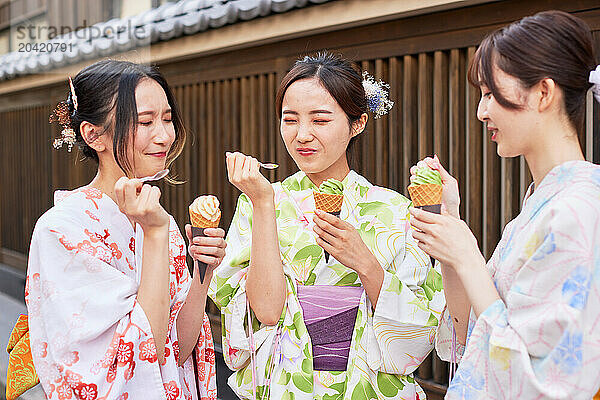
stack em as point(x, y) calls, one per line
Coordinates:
point(113, 310)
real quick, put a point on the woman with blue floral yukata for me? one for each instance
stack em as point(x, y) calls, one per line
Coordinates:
point(534, 326)
point(354, 325)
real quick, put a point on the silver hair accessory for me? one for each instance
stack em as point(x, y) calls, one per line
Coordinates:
point(377, 95)
point(595, 80)
point(73, 95)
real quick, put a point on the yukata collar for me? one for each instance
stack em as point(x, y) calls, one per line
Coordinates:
point(561, 174)
point(98, 199)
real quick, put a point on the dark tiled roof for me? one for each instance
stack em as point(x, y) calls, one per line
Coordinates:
point(171, 20)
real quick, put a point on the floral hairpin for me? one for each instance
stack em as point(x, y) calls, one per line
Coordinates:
point(377, 95)
point(62, 115)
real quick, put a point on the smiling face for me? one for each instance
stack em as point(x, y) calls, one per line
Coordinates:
point(316, 131)
point(513, 130)
point(155, 132)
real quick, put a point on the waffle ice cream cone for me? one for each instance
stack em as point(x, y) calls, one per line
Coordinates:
point(330, 203)
point(426, 191)
point(199, 221)
point(425, 194)
point(204, 213)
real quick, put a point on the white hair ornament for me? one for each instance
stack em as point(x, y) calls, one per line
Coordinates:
point(377, 95)
point(595, 80)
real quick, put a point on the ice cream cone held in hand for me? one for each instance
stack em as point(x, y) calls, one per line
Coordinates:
point(204, 213)
point(329, 198)
point(426, 189)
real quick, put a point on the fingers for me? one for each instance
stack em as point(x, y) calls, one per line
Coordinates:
point(331, 219)
point(214, 232)
point(131, 189)
point(419, 225)
point(148, 199)
point(155, 194)
point(253, 166)
point(328, 223)
point(210, 260)
point(128, 191)
point(420, 237)
point(120, 190)
point(424, 216)
point(443, 173)
point(326, 246)
point(234, 163)
point(428, 161)
point(209, 250)
point(323, 234)
point(188, 232)
point(247, 168)
point(208, 241)
point(143, 197)
point(241, 168)
point(435, 163)
point(426, 247)
point(196, 251)
point(238, 166)
point(229, 160)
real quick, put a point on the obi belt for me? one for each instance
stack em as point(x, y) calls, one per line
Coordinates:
point(330, 316)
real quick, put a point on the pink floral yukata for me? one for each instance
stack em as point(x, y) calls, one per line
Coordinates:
point(90, 338)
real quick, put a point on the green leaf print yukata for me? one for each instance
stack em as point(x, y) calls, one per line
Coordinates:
point(388, 344)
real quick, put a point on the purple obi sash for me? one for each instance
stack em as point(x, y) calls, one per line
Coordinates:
point(329, 316)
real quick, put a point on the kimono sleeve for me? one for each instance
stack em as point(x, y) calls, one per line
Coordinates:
point(444, 337)
point(89, 335)
point(409, 306)
point(228, 290)
point(544, 332)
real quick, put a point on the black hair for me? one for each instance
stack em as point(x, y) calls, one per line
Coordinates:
point(105, 94)
point(340, 77)
point(550, 44)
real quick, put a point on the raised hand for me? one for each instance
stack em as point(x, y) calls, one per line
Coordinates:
point(243, 172)
point(141, 204)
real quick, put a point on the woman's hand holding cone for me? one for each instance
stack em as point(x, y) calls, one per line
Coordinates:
point(444, 237)
point(343, 242)
point(209, 249)
point(450, 194)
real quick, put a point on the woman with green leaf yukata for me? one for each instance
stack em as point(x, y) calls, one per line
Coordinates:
point(355, 326)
